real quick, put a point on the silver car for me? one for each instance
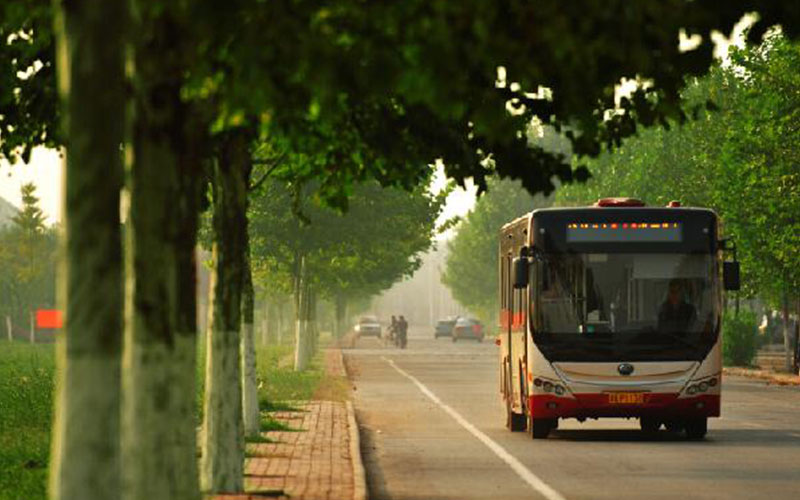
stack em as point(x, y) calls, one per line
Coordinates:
point(368, 326)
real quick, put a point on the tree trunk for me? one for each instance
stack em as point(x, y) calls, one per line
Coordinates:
point(158, 424)
point(185, 363)
point(33, 328)
point(796, 369)
point(313, 326)
point(787, 334)
point(266, 317)
point(221, 468)
point(251, 414)
point(8, 328)
point(279, 327)
point(341, 313)
point(85, 460)
point(302, 340)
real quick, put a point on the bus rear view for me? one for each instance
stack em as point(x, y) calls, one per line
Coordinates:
point(612, 311)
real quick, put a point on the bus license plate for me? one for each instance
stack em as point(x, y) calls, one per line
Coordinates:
point(626, 398)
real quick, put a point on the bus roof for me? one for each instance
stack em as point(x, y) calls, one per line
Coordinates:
point(631, 210)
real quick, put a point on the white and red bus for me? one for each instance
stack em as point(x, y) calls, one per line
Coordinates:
point(613, 311)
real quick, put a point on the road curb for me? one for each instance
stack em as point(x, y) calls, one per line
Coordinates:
point(359, 474)
point(768, 377)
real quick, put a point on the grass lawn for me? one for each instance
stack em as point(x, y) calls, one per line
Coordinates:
point(279, 383)
point(26, 405)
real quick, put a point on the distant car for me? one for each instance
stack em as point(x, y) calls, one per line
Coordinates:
point(444, 327)
point(468, 328)
point(368, 326)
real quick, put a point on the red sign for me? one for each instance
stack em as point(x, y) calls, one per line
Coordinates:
point(48, 318)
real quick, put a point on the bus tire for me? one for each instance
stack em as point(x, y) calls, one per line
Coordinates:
point(540, 427)
point(696, 428)
point(649, 425)
point(674, 426)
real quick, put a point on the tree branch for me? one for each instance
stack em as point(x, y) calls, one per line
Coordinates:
point(273, 164)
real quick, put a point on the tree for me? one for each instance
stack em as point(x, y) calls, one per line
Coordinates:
point(760, 171)
point(27, 261)
point(85, 457)
point(472, 260)
point(357, 253)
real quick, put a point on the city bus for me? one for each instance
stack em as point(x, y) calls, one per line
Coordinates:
point(613, 310)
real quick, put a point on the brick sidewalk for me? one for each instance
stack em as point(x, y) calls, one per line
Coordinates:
point(318, 460)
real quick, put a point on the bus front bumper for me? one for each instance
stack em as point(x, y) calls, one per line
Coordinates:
point(594, 405)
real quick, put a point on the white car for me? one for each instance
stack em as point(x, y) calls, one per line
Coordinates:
point(368, 326)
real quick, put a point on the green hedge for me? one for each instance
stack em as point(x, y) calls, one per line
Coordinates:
point(739, 339)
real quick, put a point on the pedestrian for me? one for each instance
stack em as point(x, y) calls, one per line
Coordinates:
point(402, 326)
point(392, 330)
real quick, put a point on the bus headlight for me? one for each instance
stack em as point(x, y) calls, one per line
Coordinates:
point(700, 386)
point(560, 390)
point(548, 387)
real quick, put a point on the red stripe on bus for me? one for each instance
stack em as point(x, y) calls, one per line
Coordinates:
point(666, 405)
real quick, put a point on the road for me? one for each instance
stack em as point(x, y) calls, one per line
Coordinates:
point(432, 427)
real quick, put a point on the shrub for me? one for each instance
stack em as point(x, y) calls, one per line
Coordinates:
point(739, 339)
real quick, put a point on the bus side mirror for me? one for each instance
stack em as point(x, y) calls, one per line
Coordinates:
point(520, 269)
point(730, 275)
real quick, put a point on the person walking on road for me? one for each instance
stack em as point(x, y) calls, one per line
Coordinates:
point(402, 331)
point(392, 330)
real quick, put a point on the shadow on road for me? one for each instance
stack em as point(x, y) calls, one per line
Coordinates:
point(755, 437)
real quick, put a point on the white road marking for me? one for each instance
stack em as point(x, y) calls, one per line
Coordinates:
point(529, 477)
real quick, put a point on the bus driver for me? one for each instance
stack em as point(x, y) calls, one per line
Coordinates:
point(675, 314)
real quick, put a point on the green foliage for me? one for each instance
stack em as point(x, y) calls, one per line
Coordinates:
point(472, 262)
point(741, 160)
point(28, 102)
point(739, 338)
point(403, 81)
point(27, 262)
point(26, 407)
point(357, 253)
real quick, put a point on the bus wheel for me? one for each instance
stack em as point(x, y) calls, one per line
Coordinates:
point(674, 426)
point(649, 424)
point(540, 427)
point(696, 428)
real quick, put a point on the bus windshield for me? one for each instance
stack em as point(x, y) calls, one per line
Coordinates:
point(628, 303)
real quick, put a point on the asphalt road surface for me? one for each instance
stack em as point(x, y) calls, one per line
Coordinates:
point(433, 427)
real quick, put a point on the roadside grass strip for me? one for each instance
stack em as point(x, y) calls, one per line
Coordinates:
point(523, 472)
point(26, 408)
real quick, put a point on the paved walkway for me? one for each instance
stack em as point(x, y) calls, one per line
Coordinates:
point(318, 459)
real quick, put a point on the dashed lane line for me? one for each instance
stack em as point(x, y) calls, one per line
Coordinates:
point(523, 472)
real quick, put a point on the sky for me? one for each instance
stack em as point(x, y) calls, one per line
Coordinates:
point(45, 171)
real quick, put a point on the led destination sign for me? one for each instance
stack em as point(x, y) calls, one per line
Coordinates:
point(625, 232)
